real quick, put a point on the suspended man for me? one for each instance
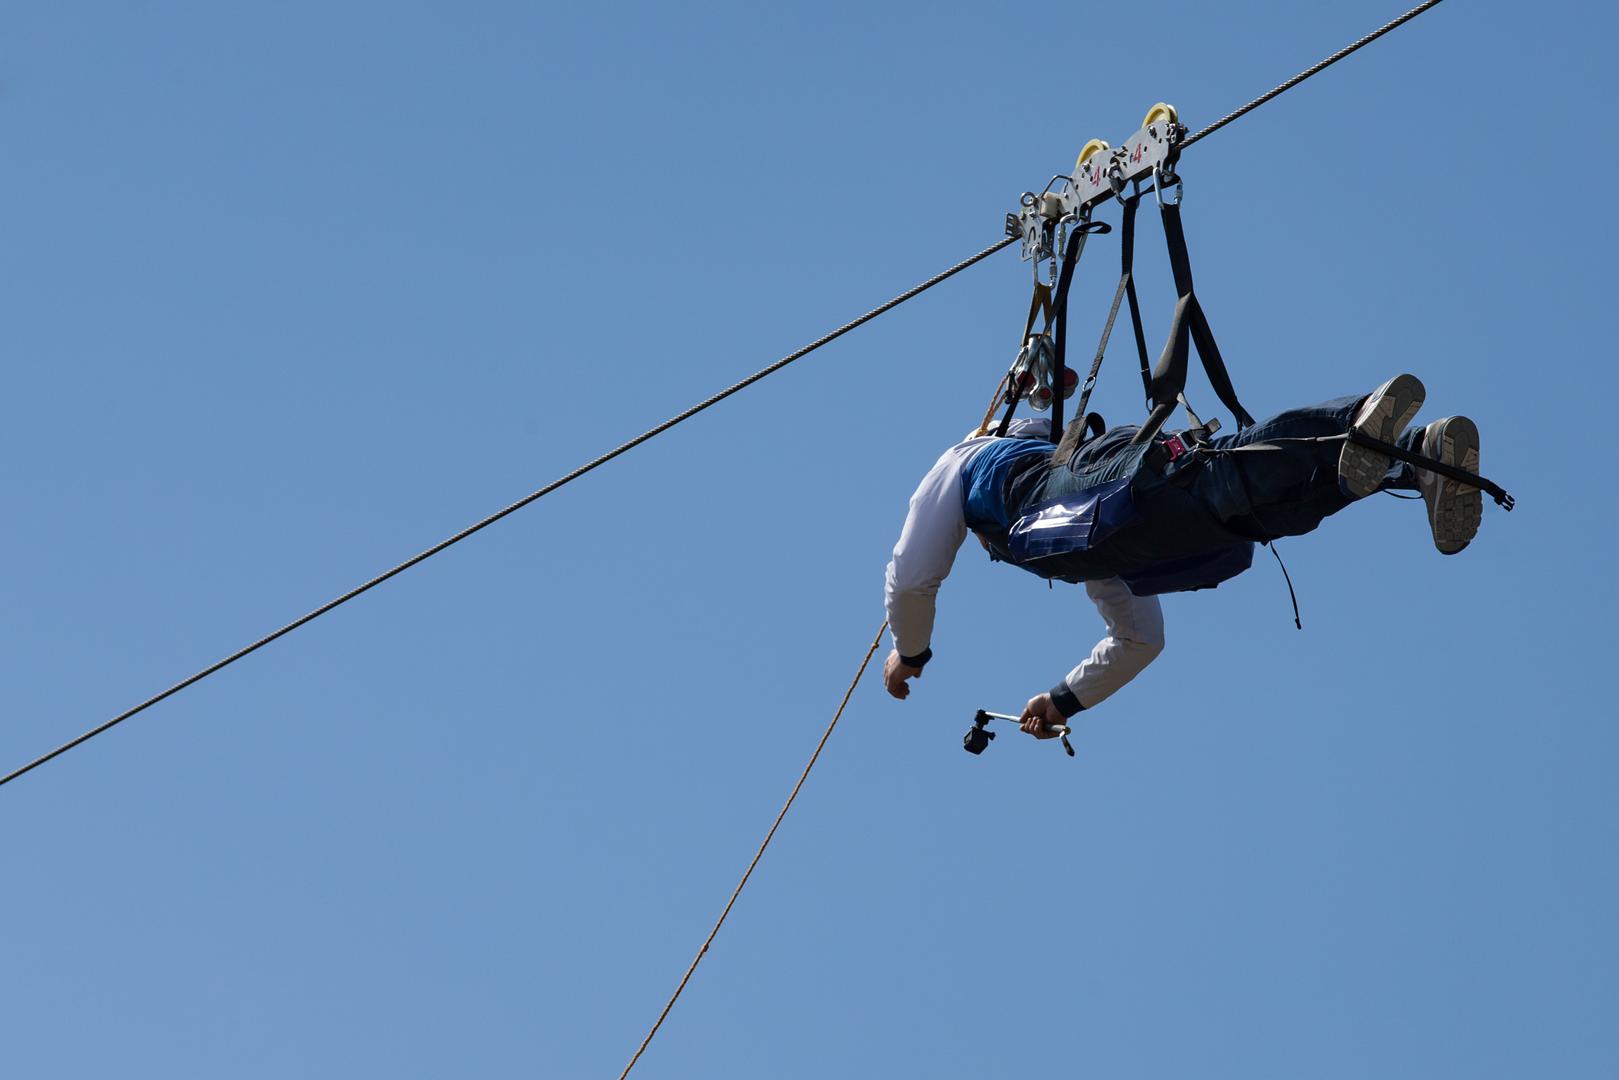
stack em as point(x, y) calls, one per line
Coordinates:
point(1133, 519)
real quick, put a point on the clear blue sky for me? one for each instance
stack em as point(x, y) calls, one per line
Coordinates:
point(292, 291)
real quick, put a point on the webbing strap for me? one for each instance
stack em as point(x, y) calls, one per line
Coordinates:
point(1128, 279)
point(1039, 302)
point(1460, 475)
point(1188, 327)
point(1070, 259)
point(1126, 288)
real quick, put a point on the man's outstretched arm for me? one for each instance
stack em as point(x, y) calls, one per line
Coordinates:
point(934, 528)
point(1135, 636)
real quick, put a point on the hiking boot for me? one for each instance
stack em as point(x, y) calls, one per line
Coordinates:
point(1454, 508)
point(1383, 415)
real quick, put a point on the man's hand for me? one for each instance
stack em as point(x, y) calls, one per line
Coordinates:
point(895, 672)
point(1041, 719)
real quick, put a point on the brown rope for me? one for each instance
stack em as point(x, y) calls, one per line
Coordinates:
point(847, 694)
point(1041, 302)
point(994, 403)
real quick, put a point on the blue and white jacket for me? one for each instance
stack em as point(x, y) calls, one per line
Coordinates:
point(935, 526)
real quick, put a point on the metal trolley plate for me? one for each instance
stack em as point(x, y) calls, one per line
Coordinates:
point(1104, 175)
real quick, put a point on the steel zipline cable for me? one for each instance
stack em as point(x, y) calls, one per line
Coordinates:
point(513, 508)
point(659, 429)
point(638, 440)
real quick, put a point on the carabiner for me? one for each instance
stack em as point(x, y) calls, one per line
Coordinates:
point(1161, 177)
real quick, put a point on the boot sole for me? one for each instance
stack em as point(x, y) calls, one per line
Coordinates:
point(1361, 469)
point(1458, 508)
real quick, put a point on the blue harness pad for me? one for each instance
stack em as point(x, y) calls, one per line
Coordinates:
point(1073, 522)
point(983, 481)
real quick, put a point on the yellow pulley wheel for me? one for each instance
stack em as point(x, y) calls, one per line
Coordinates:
point(1161, 111)
point(1090, 150)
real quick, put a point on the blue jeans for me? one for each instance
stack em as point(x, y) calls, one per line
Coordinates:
point(1289, 490)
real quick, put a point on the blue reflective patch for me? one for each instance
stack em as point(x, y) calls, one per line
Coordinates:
point(1072, 523)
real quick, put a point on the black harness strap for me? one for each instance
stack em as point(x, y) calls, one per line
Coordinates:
point(1462, 476)
point(1127, 257)
point(1070, 259)
point(1127, 288)
point(1188, 327)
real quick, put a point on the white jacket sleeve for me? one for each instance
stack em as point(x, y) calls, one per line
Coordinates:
point(1135, 635)
point(934, 528)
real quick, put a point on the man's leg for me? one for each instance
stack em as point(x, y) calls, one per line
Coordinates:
point(1286, 484)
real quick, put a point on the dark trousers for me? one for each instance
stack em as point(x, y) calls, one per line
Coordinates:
point(1262, 494)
